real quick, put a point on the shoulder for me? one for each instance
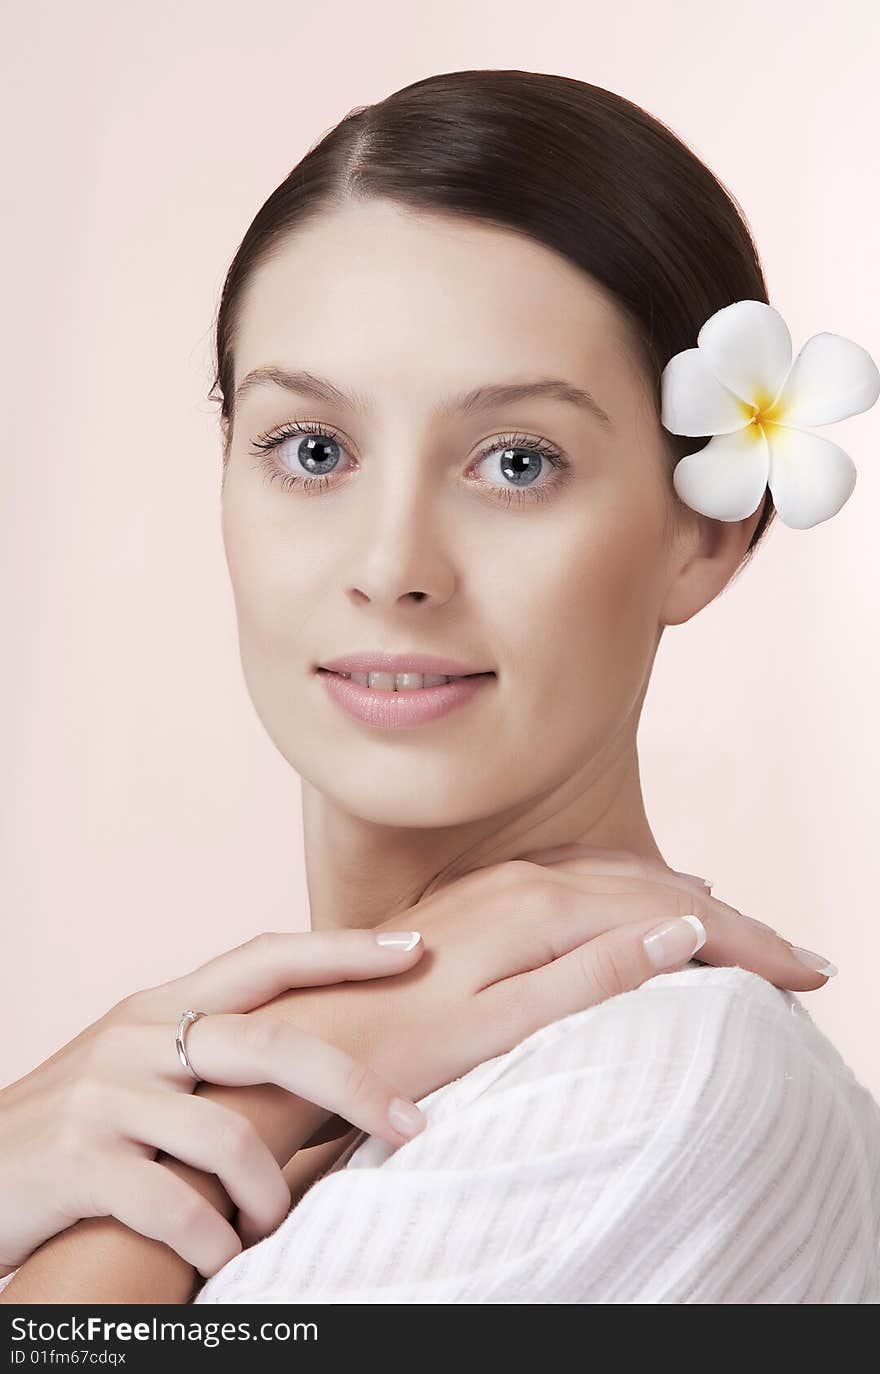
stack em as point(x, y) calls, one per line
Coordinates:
point(706, 1114)
point(700, 1013)
point(709, 1070)
point(699, 1042)
point(718, 1037)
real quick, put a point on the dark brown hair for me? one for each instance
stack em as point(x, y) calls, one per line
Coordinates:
point(575, 167)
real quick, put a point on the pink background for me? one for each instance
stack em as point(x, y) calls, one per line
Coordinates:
point(147, 820)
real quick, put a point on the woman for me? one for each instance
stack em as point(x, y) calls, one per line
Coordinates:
point(440, 349)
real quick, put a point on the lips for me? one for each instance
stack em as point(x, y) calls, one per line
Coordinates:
point(377, 661)
point(407, 708)
point(429, 681)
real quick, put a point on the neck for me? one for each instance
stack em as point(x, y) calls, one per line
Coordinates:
point(360, 873)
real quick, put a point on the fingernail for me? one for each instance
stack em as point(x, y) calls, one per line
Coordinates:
point(675, 941)
point(405, 1116)
point(399, 939)
point(696, 877)
point(818, 962)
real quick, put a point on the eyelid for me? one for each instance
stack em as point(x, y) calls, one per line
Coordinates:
point(298, 427)
point(266, 445)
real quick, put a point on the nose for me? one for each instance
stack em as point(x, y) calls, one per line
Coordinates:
point(403, 555)
point(386, 583)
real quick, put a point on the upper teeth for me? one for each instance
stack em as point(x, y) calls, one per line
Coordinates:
point(399, 682)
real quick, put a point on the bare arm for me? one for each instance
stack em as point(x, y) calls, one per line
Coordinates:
point(99, 1259)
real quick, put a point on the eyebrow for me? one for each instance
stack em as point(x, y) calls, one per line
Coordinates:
point(467, 403)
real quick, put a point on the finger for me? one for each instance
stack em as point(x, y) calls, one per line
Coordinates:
point(212, 1138)
point(739, 939)
point(618, 860)
point(733, 938)
point(263, 1047)
point(569, 867)
point(617, 961)
point(155, 1202)
point(255, 972)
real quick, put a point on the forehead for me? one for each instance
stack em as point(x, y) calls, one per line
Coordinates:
point(374, 295)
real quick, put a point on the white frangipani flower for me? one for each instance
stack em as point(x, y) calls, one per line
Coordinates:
point(739, 384)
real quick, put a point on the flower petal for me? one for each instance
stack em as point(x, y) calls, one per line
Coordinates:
point(748, 347)
point(810, 477)
point(728, 478)
point(832, 378)
point(693, 401)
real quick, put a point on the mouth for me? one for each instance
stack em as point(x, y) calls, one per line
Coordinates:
point(396, 701)
point(401, 682)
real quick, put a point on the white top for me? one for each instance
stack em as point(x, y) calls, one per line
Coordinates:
point(697, 1140)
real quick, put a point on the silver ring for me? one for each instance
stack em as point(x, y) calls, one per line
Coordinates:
point(183, 1026)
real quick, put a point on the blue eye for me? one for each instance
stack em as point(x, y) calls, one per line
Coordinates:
point(522, 460)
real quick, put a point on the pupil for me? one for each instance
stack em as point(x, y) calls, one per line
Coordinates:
point(520, 466)
point(517, 467)
point(311, 459)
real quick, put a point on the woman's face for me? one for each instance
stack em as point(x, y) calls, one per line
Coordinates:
point(553, 577)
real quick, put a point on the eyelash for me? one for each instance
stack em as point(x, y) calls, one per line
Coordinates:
point(265, 445)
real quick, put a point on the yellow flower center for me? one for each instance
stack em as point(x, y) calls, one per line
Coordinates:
point(763, 411)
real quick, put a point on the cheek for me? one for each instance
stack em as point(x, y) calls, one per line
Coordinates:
point(587, 622)
point(269, 563)
point(270, 567)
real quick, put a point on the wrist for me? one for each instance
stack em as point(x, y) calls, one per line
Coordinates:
point(353, 1016)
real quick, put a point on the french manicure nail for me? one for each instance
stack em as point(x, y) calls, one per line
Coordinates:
point(399, 939)
point(674, 942)
point(696, 877)
point(817, 962)
point(405, 1116)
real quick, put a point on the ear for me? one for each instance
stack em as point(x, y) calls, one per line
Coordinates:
point(705, 556)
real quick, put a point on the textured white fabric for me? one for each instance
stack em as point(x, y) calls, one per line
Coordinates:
point(697, 1140)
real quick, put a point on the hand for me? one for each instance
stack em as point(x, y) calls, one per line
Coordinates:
point(79, 1134)
point(514, 946)
point(734, 938)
